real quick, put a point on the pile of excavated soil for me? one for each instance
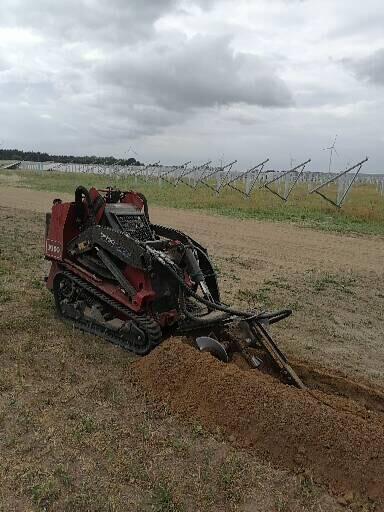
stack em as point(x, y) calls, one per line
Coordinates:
point(287, 426)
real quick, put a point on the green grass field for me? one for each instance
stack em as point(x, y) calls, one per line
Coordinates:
point(362, 213)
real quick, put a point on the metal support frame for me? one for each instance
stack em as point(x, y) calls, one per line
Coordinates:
point(211, 174)
point(145, 170)
point(245, 174)
point(173, 170)
point(223, 180)
point(203, 175)
point(190, 171)
point(339, 202)
point(286, 173)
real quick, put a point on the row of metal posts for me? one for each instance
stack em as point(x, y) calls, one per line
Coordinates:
point(172, 174)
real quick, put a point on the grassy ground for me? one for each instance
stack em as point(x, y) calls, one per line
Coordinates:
point(338, 318)
point(362, 213)
point(76, 433)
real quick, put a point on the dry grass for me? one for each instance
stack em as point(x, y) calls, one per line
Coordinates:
point(77, 434)
point(337, 321)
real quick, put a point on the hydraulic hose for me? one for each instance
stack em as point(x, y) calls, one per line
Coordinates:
point(271, 317)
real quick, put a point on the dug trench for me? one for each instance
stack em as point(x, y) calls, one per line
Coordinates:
point(334, 431)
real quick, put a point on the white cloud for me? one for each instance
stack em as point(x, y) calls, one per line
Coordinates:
point(19, 36)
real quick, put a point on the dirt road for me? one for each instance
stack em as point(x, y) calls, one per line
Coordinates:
point(264, 245)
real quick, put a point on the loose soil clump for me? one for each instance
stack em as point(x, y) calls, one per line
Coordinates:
point(338, 441)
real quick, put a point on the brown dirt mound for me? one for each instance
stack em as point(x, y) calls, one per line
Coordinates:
point(281, 423)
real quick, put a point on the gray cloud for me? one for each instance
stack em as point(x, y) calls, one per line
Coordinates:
point(177, 78)
point(142, 87)
point(370, 68)
point(196, 73)
point(18, 90)
point(111, 21)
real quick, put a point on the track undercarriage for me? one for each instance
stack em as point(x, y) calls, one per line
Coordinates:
point(89, 310)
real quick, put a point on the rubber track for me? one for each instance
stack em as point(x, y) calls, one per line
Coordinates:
point(148, 325)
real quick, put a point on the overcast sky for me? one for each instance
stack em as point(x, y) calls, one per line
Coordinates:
point(195, 80)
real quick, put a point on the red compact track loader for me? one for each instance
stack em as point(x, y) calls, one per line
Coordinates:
point(116, 275)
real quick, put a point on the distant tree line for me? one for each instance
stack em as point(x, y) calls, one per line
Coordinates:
point(36, 156)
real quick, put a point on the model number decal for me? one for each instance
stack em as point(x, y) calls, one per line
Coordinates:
point(53, 248)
